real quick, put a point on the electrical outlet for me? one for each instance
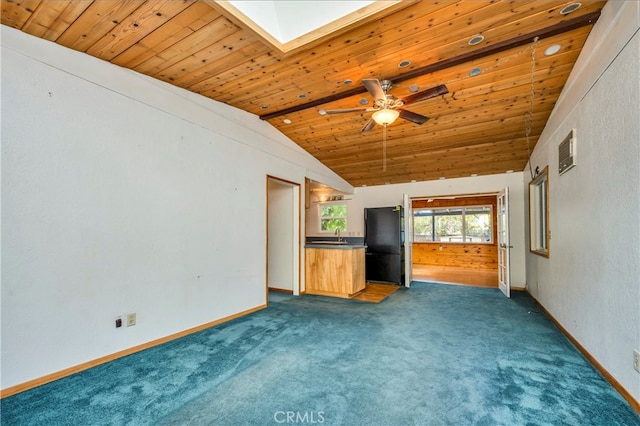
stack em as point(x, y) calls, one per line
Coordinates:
point(131, 319)
point(636, 360)
point(118, 322)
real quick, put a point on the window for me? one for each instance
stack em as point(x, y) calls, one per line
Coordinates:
point(453, 225)
point(333, 217)
point(539, 214)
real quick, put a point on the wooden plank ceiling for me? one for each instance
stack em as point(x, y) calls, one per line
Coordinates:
point(479, 127)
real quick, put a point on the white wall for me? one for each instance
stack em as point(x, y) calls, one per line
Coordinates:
point(124, 194)
point(590, 283)
point(390, 195)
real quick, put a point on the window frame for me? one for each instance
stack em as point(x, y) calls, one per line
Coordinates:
point(539, 231)
point(321, 217)
point(464, 226)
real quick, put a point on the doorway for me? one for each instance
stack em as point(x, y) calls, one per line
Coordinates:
point(455, 239)
point(283, 236)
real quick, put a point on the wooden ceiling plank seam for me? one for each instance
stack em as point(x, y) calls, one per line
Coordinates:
point(217, 65)
point(44, 15)
point(16, 14)
point(195, 42)
point(408, 156)
point(508, 44)
point(191, 68)
point(147, 18)
point(190, 20)
point(211, 86)
point(96, 22)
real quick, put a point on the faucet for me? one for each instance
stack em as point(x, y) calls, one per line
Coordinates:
point(338, 234)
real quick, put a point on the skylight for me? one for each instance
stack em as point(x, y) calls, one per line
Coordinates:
point(288, 20)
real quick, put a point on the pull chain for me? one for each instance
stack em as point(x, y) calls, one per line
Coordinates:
point(528, 118)
point(384, 148)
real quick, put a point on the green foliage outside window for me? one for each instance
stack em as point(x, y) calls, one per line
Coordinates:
point(455, 225)
point(333, 217)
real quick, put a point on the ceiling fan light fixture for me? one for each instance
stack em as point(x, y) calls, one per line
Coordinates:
point(385, 116)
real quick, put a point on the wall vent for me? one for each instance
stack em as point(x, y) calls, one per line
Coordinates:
point(567, 153)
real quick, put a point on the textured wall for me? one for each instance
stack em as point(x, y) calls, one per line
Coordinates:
point(123, 194)
point(590, 282)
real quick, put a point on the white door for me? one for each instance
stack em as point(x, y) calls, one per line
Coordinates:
point(408, 240)
point(504, 280)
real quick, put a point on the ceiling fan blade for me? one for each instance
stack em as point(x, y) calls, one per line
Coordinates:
point(426, 94)
point(374, 87)
point(340, 111)
point(413, 117)
point(369, 126)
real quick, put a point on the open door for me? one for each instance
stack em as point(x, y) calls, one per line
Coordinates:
point(504, 277)
point(408, 240)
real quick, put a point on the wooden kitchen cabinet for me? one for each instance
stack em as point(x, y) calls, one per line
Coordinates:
point(335, 271)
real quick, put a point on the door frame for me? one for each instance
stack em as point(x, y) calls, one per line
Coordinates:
point(493, 194)
point(504, 245)
point(295, 224)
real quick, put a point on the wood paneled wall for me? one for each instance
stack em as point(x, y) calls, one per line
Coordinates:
point(470, 256)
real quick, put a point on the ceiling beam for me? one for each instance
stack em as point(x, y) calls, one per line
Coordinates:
point(562, 27)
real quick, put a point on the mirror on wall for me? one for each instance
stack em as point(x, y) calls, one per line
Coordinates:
point(539, 233)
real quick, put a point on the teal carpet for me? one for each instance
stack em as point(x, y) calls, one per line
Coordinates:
point(430, 355)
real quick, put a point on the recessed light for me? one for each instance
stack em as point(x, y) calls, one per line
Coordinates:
point(404, 64)
point(509, 171)
point(570, 8)
point(476, 40)
point(264, 106)
point(364, 101)
point(286, 121)
point(474, 72)
point(474, 175)
point(322, 112)
point(414, 88)
point(387, 183)
point(442, 178)
point(552, 50)
point(364, 185)
point(302, 96)
point(347, 81)
point(413, 181)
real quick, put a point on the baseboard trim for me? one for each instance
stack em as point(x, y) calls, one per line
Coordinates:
point(21, 387)
point(280, 290)
point(625, 394)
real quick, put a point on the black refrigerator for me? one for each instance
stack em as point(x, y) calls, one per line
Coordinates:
point(384, 238)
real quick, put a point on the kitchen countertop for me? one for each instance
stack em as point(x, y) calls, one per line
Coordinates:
point(346, 246)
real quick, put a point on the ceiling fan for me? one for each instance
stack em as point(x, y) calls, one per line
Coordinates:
point(386, 108)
